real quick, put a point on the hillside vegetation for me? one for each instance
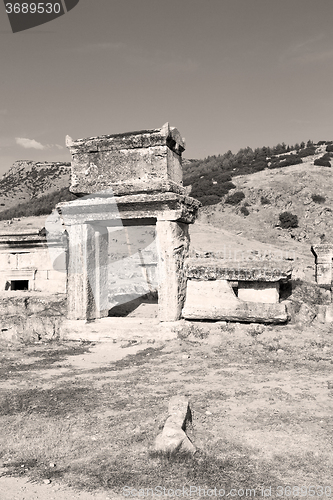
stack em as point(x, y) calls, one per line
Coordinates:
point(33, 188)
point(289, 206)
point(212, 178)
point(26, 181)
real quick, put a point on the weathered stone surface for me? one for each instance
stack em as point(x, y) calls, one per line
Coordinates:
point(26, 256)
point(173, 437)
point(164, 206)
point(87, 281)
point(259, 291)
point(172, 246)
point(218, 269)
point(31, 316)
point(323, 261)
point(134, 157)
point(215, 300)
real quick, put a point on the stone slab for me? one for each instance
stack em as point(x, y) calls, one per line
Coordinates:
point(161, 206)
point(219, 269)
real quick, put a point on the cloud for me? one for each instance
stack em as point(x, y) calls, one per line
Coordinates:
point(32, 144)
point(310, 50)
point(29, 143)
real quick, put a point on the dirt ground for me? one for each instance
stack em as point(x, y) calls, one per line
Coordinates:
point(263, 395)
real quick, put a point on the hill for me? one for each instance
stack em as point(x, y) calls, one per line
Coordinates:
point(28, 180)
point(302, 190)
point(212, 178)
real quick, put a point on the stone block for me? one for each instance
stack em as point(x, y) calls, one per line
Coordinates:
point(133, 158)
point(259, 291)
point(173, 438)
point(4, 261)
point(215, 300)
point(50, 286)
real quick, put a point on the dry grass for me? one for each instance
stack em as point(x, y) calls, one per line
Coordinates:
point(261, 404)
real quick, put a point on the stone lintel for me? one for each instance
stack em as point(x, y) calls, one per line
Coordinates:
point(219, 269)
point(162, 206)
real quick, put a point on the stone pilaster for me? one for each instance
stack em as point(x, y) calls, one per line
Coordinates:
point(172, 245)
point(87, 272)
point(323, 261)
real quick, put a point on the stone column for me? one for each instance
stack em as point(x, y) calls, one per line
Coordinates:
point(101, 262)
point(173, 241)
point(87, 272)
point(323, 260)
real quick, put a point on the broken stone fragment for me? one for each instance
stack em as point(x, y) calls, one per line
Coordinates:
point(173, 437)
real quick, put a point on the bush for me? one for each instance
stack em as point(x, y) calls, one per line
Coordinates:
point(287, 220)
point(265, 201)
point(329, 148)
point(235, 198)
point(210, 199)
point(306, 152)
point(285, 161)
point(318, 199)
point(244, 211)
point(323, 161)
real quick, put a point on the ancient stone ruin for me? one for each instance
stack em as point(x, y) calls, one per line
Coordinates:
point(129, 180)
point(126, 237)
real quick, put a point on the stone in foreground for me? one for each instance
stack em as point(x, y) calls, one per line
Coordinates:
point(173, 437)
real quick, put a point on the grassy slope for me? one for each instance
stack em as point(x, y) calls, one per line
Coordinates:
point(288, 189)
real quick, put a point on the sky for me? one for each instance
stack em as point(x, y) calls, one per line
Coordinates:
point(226, 73)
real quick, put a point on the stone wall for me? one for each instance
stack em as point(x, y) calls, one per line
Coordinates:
point(27, 257)
point(31, 316)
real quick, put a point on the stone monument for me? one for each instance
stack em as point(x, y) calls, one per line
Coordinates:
point(128, 179)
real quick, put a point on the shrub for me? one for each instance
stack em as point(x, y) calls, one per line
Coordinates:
point(323, 161)
point(235, 198)
point(329, 148)
point(306, 152)
point(265, 201)
point(317, 198)
point(285, 161)
point(287, 220)
point(244, 211)
point(210, 199)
